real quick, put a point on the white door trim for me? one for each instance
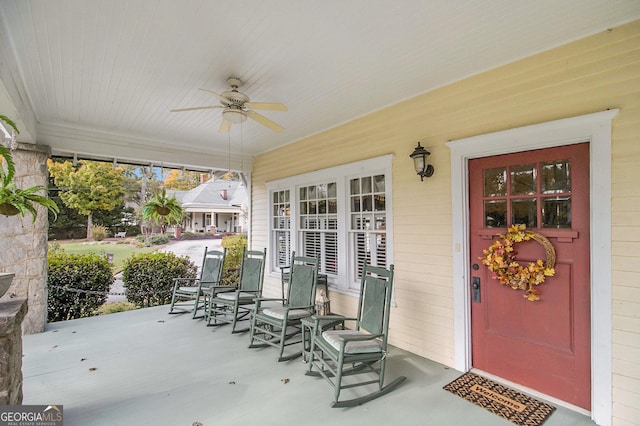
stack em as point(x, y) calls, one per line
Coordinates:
point(593, 128)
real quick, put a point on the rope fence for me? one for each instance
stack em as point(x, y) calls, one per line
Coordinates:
point(107, 293)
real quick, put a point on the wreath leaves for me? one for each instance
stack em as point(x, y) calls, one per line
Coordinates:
point(501, 262)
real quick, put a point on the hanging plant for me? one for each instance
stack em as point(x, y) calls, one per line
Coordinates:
point(14, 200)
point(500, 258)
point(163, 210)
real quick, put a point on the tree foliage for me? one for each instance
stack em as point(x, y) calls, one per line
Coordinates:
point(91, 187)
point(182, 180)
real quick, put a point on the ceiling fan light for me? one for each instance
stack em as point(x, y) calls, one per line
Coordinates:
point(234, 115)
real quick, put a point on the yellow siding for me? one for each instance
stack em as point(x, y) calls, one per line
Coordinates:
point(589, 75)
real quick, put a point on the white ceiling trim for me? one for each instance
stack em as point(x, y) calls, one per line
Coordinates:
point(66, 141)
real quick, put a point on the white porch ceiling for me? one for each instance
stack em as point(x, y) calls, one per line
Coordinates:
point(98, 77)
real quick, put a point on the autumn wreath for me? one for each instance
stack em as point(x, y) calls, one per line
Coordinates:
point(500, 259)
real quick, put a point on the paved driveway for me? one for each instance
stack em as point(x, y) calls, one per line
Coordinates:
point(194, 249)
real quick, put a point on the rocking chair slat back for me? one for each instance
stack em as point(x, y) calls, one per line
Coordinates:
point(252, 271)
point(373, 305)
point(212, 265)
point(304, 277)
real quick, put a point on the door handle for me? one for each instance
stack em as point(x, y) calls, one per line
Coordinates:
point(475, 290)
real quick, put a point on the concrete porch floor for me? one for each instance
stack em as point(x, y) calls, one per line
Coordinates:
point(147, 367)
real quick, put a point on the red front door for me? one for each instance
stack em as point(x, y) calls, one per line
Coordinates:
point(545, 344)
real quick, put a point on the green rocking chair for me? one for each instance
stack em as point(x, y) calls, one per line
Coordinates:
point(336, 354)
point(280, 326)
point(192, 294)
point(233, 306)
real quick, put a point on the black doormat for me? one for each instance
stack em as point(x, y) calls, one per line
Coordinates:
point(507, 403)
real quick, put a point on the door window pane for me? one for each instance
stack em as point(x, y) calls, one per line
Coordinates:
point(556, 212)
point(524, 211)
point(495, 213)
point(556, 177)
point(495, 182)
point(523, 179)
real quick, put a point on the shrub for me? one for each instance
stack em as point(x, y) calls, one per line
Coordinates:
point(78, 285)
point(152, 240)
point(234, 245)
point(55, 247)
point(99, 232)
point(112, 308)
point(148, 278)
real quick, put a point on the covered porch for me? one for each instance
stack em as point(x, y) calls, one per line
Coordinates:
point(149, 367)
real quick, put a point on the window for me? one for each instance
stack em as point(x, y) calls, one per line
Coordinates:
point(340, 215)
point(537, 194)
point(319, 224)
point(281, 228)
point(368, 224)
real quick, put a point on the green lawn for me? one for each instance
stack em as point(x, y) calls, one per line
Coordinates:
point(120, 251)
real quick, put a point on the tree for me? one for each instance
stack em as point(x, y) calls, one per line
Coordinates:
point(91, 187)
point(182, 180)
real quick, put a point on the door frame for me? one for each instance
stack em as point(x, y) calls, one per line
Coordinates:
point(596, 130)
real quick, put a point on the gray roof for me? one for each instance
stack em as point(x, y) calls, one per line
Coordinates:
point(211, 195)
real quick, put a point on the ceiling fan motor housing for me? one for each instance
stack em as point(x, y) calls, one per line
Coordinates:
point(234, 98)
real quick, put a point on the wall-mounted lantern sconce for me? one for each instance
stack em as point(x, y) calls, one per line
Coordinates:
point(419, 156)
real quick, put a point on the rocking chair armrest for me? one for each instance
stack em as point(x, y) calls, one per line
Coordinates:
point(220, 288)
point(215, 289)
point(185, 279)
point(258, 300)
point(359, 337)
point(318, 318)
point(269, 299)
point(288, 307)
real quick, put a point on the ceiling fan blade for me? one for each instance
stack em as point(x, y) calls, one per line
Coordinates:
point(211, 92)
point(225, 126)
point(265, 121)
point(267, 105)
point(196, 108)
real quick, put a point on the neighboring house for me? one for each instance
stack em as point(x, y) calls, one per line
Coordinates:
point(215, 206)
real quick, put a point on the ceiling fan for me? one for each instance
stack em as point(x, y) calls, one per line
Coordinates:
point(236, 107)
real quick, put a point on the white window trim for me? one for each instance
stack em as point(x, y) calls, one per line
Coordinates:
point(341, 175)
point(593, 128)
